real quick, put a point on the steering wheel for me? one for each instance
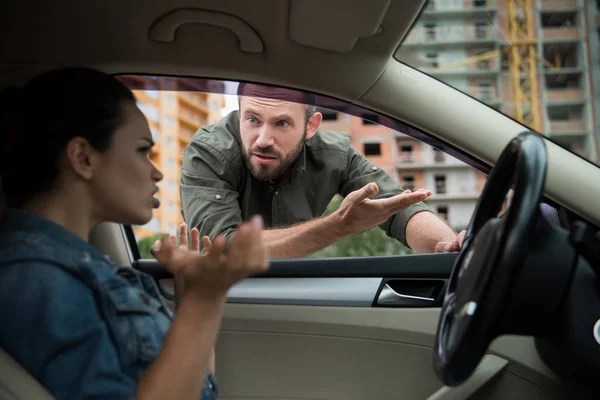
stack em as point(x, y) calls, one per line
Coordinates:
point(491, 258)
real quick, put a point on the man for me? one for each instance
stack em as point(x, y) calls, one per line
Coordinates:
point(269, 158)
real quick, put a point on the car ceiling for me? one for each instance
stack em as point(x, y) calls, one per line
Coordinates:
point(350, 41)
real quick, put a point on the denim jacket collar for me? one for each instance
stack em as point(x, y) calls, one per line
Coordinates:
point(26, 230)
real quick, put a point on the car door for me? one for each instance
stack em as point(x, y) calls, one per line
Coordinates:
point(358, 319)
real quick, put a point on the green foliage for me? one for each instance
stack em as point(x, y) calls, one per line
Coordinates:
point(373, 242)
point(146, 243)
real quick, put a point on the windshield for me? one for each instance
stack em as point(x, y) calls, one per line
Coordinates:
point(535, 61)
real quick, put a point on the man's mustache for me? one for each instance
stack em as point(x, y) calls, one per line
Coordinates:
point(266, 151)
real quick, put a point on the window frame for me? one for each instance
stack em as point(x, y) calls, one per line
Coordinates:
point(208, 85)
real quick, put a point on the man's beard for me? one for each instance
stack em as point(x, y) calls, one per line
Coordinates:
point(263, 172)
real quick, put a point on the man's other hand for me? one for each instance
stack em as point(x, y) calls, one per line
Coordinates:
point(455, 245)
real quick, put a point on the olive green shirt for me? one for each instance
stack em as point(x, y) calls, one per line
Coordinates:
point(218, 191)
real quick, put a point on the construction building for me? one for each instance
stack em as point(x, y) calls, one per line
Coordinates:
point(175, 110)
point(535, 60)
point(455, 185)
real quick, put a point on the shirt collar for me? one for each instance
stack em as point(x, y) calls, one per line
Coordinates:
point(300, 163)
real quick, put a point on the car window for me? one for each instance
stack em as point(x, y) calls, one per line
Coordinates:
point(173, 117)
point(549, 83)
point(177, 108)
point(413, 165)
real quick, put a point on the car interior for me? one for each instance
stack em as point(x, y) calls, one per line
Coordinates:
point(514, 315)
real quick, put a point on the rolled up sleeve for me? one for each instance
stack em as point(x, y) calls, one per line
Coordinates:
point(208, 198)
point(361, 171)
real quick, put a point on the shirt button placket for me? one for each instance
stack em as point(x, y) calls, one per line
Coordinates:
point(275, 208)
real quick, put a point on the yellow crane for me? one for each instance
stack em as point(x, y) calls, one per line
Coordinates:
point(522, 64)
point(522, 56)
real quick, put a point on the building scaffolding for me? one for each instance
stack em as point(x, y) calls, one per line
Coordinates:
point(523, 59)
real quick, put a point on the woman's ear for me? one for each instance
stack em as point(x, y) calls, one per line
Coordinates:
point(81, 158)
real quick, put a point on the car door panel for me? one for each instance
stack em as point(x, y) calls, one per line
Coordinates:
point(322, 329)
point(271, 351)
point(303, 331)
point(307, 352)
point(401, 281)
point(346, 292)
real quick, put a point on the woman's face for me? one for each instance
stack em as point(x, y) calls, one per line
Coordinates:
point(125, 180)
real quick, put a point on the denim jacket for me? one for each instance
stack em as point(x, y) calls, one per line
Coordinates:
point(81, 326)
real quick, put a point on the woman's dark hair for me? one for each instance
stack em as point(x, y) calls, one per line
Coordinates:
point(38, 121)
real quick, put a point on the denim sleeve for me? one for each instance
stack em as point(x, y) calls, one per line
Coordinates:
point(52, 327)
point(210, 390)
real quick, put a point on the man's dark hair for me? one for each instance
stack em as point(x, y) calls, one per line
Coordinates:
point(38, 121)
point(308, 99)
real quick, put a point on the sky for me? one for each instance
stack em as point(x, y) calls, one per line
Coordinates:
point(231, 102)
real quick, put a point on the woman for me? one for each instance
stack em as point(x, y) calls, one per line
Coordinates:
point(77, 155)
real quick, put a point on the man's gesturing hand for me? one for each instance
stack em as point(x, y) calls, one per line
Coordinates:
point(216, 271)
point(358, 212)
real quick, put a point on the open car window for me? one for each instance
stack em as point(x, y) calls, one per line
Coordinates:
point(176, 108)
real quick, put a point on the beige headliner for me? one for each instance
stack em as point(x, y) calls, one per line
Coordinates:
point(341, 48)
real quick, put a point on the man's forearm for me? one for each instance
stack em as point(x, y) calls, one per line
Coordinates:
point(305, 238)
point(425, 230)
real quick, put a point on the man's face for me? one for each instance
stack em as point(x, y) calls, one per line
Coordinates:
point(273, 131)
